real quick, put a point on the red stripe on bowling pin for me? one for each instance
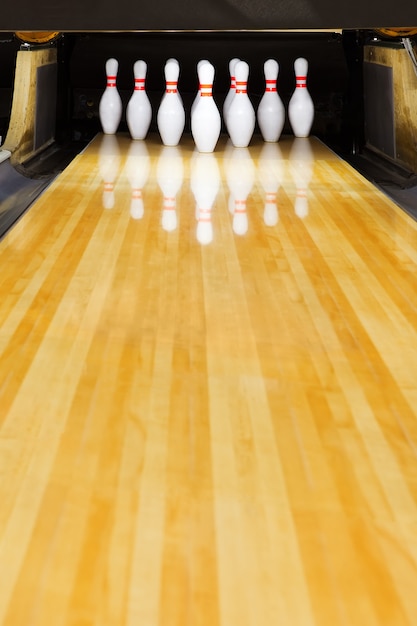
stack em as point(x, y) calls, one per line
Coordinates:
point(111, 81)
point(301, 82)
point(139, 84)
point(271, 85)
point(171, 86)
point(206, 90)
point(241, 86)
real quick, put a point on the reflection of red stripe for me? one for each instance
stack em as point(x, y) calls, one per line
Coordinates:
point(136, 193)
point(240, 206)
point(169, 200)
point(108, 186)
point(205, 215)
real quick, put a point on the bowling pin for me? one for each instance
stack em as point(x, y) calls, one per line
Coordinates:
point(4, 154)
point(171, 114)
point(271, 111)
point(109, 163)
point(110, 106)
point(196, 99)
point(205, 118)
point(137, 171)
point(241, 114)
point(139, 110)
point(204, 183)
point(301, 107)
point(232, 89)
point(169, 174)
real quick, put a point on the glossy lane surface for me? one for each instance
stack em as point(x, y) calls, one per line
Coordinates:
point(208, 393)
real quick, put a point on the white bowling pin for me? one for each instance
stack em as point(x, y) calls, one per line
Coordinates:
point(204, 183)
point(301, 163)
point(4, 154)
point(205, 118)
point(270, 175)
point(232, 89)
point(171, 114)
point(139, 110)
point(271, 111)
point(137, 171)
point(241, 115)
point(197, 97)
point(301, 107)
point(240, 176)
point(110, 106)
point(109, 163)
point(169, 174)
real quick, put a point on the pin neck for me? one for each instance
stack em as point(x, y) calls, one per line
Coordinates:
point(171, 86)
point(139, 84)
point(111, 81)
point(206, 90)
point(271, 85)
point(241, 86)
point(301, 82)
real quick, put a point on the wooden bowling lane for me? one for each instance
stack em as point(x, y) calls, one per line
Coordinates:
point(208, 393)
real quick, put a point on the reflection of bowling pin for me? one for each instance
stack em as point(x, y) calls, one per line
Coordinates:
point(301, 107)
point(301, 161)
point(171, 114)
point(137, 171)
point(232, 90)
point(241, 114)
point(205, 118)
point(271, 112)
point(196, 99)
point(110, 106)
point(240, 177)
point(270, 174)
point(205, 182)
point(108, 163)
point(169, 174)
point(139, 110)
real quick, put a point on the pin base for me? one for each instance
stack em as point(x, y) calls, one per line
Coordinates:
point(4, 154)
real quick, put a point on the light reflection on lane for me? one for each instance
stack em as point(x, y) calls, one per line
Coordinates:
point(287, 165)
point(170, 174)
point(137, 169)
